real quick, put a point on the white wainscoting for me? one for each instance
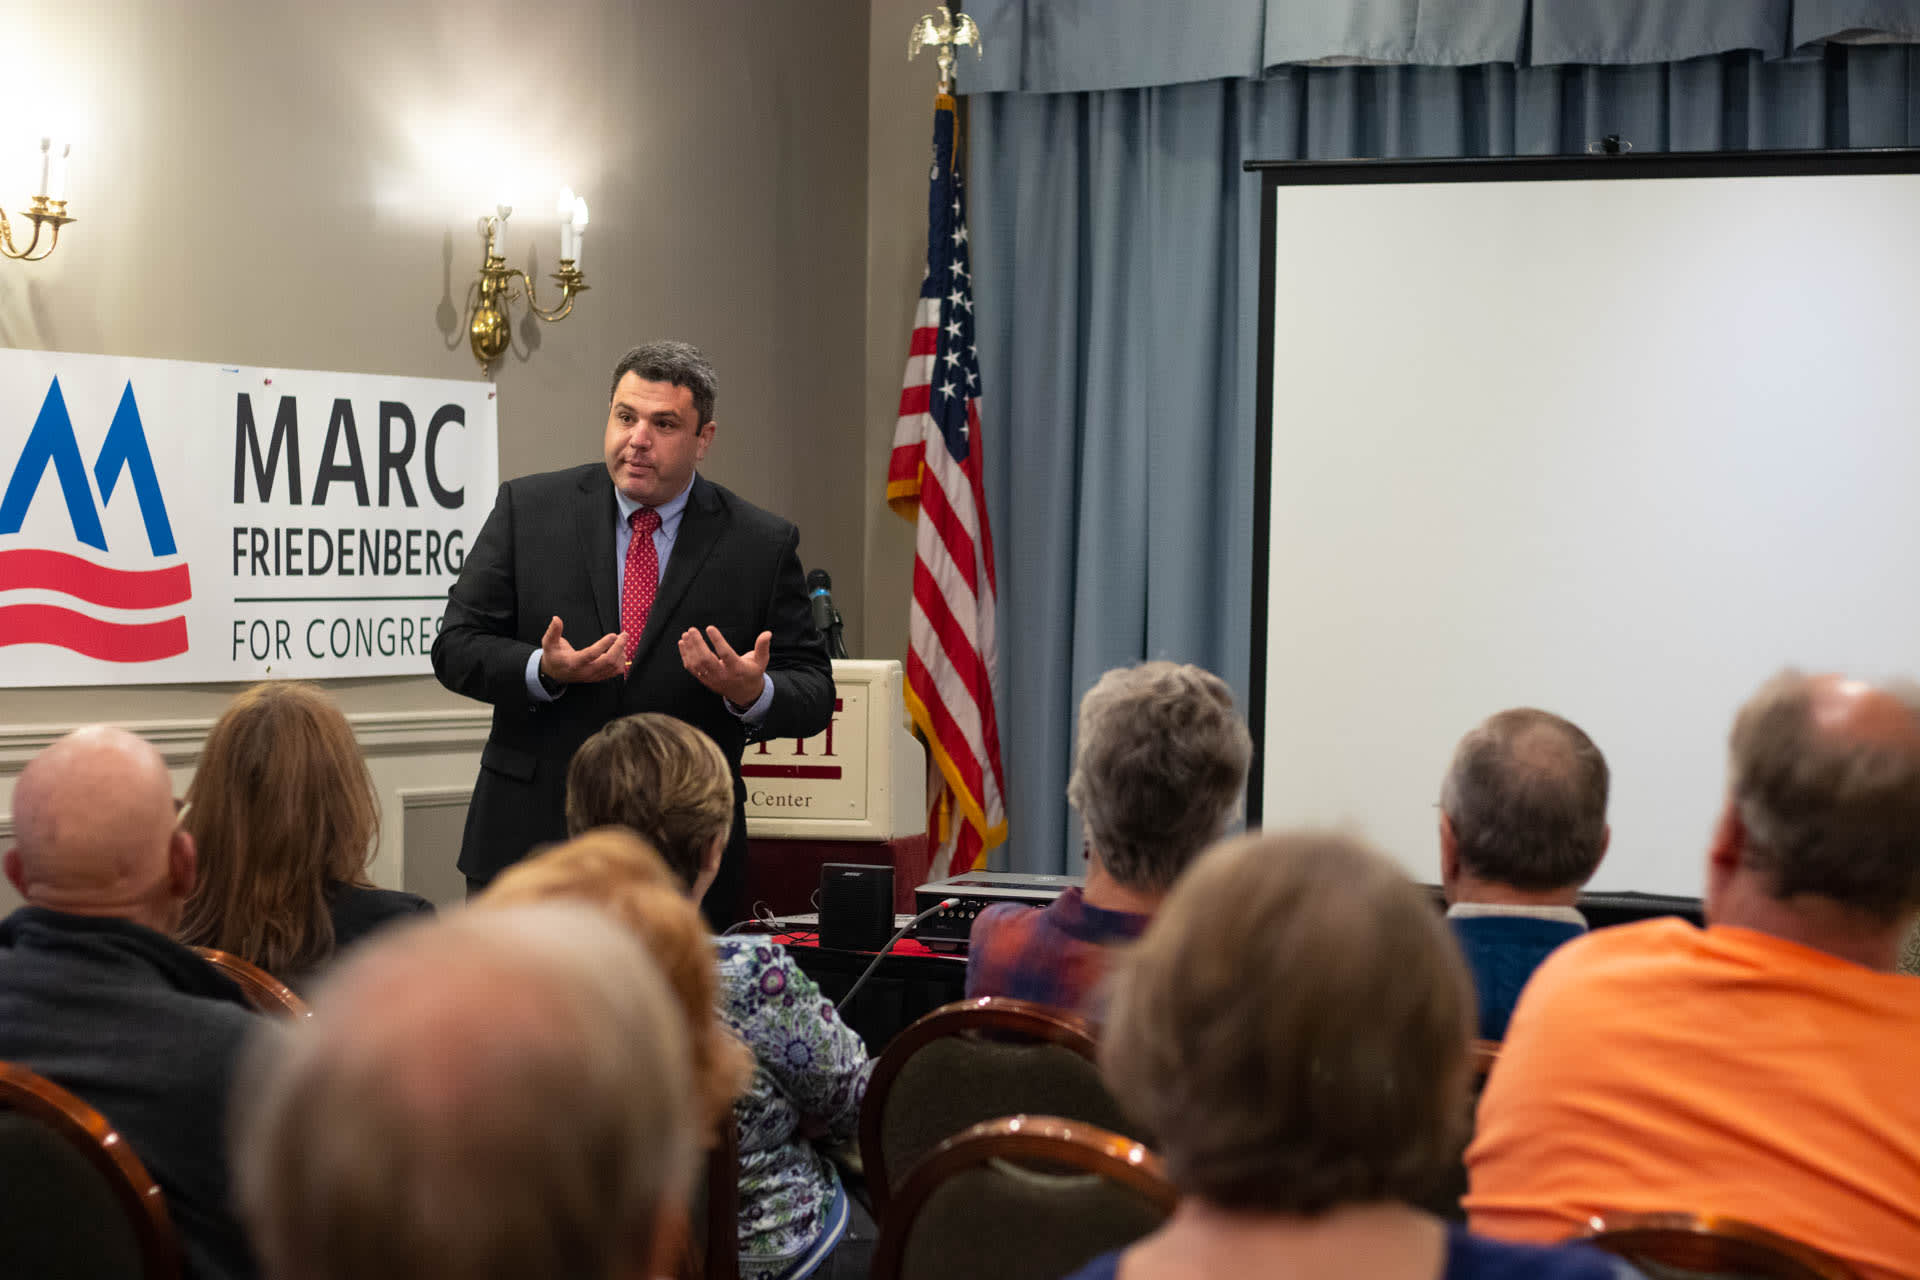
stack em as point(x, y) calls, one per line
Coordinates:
point(417, 758)
point(434, 818)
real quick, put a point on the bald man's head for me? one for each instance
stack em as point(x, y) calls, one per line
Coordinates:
point(1524, 804)
point(492, 1094)
point(1825, 783)
point(95, 830)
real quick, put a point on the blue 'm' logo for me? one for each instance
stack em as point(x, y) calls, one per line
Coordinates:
point(52, 443)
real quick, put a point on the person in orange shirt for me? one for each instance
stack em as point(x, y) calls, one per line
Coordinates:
point(1761, 1068)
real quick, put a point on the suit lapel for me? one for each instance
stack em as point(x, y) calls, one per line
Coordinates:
point(701, 525)
point(596, 515)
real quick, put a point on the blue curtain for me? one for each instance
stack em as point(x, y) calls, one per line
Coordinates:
point(1078, 46)
point(1116, 260)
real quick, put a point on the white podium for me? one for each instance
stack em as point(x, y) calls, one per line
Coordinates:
point(865, 778)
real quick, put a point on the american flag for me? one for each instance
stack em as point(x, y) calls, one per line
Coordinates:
point(933, 479)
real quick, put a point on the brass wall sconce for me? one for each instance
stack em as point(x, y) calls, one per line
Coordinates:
point(489, 332)
point(49, 207)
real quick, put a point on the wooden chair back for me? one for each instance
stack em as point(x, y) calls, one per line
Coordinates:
point(712, 1246)
point(1444, 1200)
point(1485, 1054)
point(91, 1204)
point(266, 993)
point(970, 1061)
point(1021, 1198)
point(1693, 1245)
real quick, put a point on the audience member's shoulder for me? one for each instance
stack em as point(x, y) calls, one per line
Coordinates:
point(749, 954)
point(359, 910)
point(757, 972)
point(160, 966)
point(998, 917)
point(1471, 1257)
point(1609, 948)
point(1104, 1267)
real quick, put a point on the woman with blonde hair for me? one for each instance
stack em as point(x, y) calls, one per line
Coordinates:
point(616, 870)
point(669, 783)
point(1295, 1024)
point(283, 813)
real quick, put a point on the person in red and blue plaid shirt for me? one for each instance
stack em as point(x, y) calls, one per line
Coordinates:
point(1159, 762)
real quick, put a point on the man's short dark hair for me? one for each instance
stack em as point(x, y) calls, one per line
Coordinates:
point(1527, 797)
point(678, 364)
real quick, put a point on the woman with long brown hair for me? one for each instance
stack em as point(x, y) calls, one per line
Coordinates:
point(283, 812)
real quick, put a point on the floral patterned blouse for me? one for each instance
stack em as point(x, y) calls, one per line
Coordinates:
point(809, 1078)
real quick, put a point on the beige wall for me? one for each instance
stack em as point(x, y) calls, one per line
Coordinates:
point(296, 185)
point(899, 148)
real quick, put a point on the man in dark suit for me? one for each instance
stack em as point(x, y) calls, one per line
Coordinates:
point(697, 598)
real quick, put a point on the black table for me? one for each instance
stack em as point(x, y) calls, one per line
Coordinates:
point(910, 981)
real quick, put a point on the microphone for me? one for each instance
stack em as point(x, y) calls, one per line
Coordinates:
point(820, 596)
point(826, 618)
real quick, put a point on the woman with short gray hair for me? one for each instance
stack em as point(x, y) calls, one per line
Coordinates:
point(1160, 760)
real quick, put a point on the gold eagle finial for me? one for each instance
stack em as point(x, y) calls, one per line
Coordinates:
point(941, 30)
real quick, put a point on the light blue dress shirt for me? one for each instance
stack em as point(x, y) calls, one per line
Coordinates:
point(663, 538)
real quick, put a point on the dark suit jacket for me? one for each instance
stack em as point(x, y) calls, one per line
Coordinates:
point(547, 549)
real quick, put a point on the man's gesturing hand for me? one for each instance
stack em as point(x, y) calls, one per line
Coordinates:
point(604, 659)
point(734, 676)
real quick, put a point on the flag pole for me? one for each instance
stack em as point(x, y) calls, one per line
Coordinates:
point(935, 480)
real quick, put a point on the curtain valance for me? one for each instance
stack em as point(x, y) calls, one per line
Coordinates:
point(1074, 46)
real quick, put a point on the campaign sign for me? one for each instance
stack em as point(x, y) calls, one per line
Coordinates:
point(165, 522)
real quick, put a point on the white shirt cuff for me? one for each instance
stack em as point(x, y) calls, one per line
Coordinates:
point(536, 691)
point(758, 711)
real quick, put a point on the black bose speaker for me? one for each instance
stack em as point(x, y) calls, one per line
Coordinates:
point(856, 906)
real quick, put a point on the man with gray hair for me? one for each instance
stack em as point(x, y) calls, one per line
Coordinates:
point(1759, 1069)
point(486, 1097)
point(1523, 825)
point(684, 599)
point(1159, 762)
point(97, 996)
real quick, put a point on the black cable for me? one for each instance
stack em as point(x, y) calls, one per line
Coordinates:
point(762, 915)
point(860, 981)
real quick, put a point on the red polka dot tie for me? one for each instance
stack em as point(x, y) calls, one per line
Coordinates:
point(642, 578)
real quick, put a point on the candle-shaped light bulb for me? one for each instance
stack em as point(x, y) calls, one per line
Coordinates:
point(46, 161)
point(579, 229)
point(565, 210)
point(501, 212)
point(58, 191)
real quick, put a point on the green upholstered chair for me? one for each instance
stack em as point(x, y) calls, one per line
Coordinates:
point(977, 1060)
point(1021, 1198)
point(78, 1203)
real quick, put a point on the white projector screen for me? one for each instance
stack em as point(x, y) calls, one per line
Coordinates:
point(1618, 438)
